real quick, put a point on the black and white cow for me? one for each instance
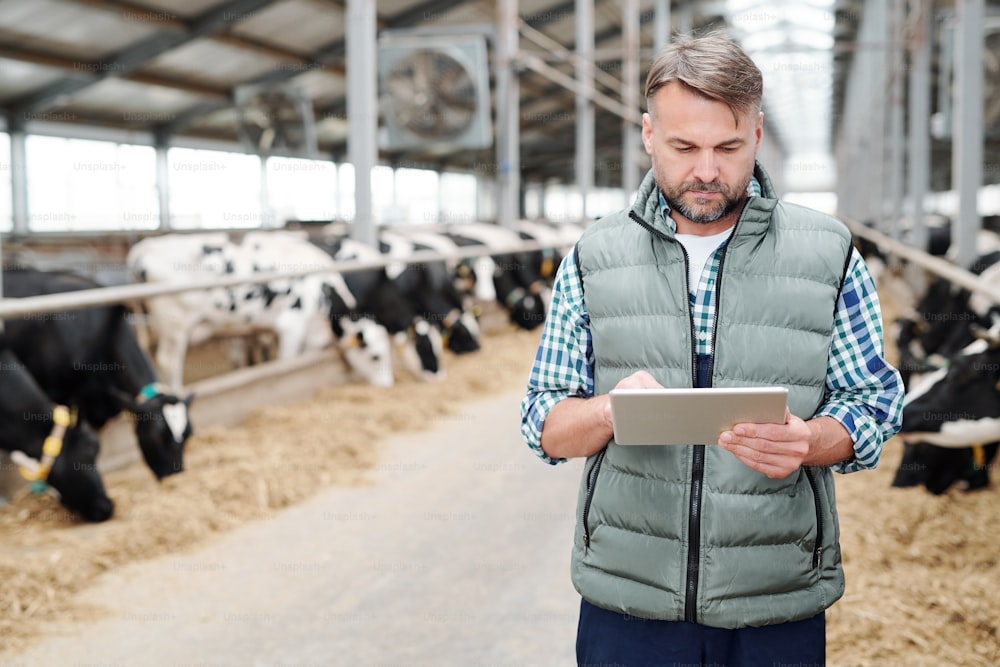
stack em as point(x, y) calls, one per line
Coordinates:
point(297, 310)
point(944, 318)
point(31, 423)
point(951, 419)
point(431, 287)
point(518, 286)
point(90, 358)
point(381, 298)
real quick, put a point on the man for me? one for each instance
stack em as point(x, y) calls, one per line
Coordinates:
point(718, 553)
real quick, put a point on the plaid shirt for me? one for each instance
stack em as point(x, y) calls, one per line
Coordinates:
point(863, 392)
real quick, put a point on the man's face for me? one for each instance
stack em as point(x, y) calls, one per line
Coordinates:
point(702, 159)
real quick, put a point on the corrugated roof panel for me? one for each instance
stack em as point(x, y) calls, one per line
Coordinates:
point(321, 86)
point(302, 26)
point(70, 30)
point(18, 78)
point(176, 9)
point(390, 8)
point(213, 62)
point(130, 99)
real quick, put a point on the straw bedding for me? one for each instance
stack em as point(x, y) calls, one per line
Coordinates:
point(921, 570)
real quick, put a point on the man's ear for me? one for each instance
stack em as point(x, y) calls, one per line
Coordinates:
point(759, 130)
point(647, 133)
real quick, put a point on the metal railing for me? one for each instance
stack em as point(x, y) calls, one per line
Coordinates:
point(102, 296)
point(936, 265)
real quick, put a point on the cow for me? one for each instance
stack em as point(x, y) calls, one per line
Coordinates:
point(943, 319)
point(49, 448)
point(380, 297)
point(431, 287)
point(297, 310)
point(519, 287)
point(951, 419)
point(90, 358)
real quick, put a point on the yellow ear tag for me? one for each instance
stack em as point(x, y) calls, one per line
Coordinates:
point(978, 456)
point(61, 416)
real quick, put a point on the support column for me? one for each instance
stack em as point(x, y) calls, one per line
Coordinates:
point(362, 112)
point(967, 129)
point(163, 181)
point(661, 24)
point(337, 198)
point(508, 115)
point(878, 82)
point(486, 198)
point(18, 179)
point(919, 115)
point(267, 218)
point(896, 146)
point(585, 131)
point(630, 94)
point(687, 17)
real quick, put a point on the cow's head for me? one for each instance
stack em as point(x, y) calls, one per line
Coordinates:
point(912, 358)
point(75, 477)
point(526, 307)
point(162, 427)
point(421, 350)
point(462, 332)
point(958, 406)
point(366, 348)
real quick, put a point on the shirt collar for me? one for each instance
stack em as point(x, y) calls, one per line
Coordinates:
point(753, 189)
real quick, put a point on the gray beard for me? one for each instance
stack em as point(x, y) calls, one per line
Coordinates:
point(722, 209)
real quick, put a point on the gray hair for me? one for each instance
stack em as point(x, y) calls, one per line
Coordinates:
point(713, 66)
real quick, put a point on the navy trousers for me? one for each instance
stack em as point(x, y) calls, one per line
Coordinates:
point(612, 639)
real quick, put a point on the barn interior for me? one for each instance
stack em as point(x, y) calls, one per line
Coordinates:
point(124, 120)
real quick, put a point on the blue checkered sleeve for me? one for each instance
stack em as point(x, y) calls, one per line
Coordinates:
point(864, 393)
point(563, 364)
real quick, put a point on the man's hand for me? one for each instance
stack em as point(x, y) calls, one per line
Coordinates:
point(776, 450)
point(638, 380)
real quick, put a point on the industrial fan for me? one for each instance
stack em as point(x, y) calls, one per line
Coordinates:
point(276, 118)
point(434, 95)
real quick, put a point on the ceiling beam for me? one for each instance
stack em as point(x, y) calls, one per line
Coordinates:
point(26, 55)
point(138, 55)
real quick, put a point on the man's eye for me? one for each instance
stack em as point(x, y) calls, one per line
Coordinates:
point(727, 149)
point(684, 149)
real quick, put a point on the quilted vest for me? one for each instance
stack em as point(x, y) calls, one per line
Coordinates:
point(689, 532)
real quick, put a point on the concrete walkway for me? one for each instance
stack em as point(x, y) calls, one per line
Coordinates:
point(457, 555)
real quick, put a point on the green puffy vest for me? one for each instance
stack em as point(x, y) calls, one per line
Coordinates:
point(691, 533)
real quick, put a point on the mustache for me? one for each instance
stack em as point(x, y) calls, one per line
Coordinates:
point(714, 186)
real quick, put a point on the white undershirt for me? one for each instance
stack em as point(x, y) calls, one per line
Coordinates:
point(699, 248)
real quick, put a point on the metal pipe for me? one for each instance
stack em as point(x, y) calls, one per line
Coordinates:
point(630, 97)
point(967, 123)
point(102, 296)
point(585, 128)
point(539, 66)
point(936, 265)
point(919, 116)
point(508, 115)
point(661, 25)
point(362, 112)
point(897, 146)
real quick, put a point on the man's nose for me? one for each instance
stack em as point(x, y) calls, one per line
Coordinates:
point(706, 168)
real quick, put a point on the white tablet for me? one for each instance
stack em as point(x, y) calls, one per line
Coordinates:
point(691, 416)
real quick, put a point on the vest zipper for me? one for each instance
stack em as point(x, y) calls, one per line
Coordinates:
point(818, 548)
point(698, 463)
point(697, 477)
point(591, 485)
